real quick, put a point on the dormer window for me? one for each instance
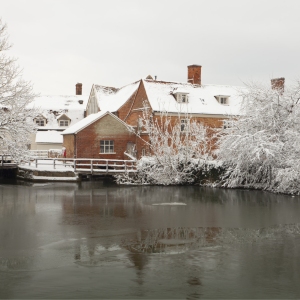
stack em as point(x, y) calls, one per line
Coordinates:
point(63, 123)
point(63, 120)
point(184, 98)
point(40, 120)
point(181, 97)
point(223, 99)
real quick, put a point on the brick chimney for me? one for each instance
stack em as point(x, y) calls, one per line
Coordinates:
point(194, 74)
point(278, 84)
point(79, 89)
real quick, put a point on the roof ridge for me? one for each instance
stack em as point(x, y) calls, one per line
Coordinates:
point(111, 87)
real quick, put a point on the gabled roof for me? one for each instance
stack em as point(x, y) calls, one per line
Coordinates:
point(40, 115)
point(62, 115)
point(90, 120)
point(111, 99)
point(53, 106)
point(201, 99)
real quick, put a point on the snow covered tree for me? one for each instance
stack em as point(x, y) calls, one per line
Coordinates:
point(261, 148)
point(16, 120)
point(179, 150)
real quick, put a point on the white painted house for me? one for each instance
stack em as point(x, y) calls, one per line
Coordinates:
point(57, 113)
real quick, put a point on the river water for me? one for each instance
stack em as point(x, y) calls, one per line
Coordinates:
point(98, 240)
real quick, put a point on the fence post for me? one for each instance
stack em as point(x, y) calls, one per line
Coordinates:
point(92, 166)
point(2, 161)
point(125, 165)
point(74, 165)
point(54, 163)
point(106, 166)
point(36, 164)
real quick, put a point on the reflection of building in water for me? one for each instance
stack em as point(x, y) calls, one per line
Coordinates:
point(119, 203)
point(16, 201)
point(139, 260)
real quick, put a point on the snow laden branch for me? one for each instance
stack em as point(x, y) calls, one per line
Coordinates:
point(16, 120)
point(261, 147)
point(179, 150)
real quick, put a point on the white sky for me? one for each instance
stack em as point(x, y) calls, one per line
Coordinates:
point(62, 42)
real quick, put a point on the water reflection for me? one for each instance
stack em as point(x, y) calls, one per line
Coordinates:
point(113, 242)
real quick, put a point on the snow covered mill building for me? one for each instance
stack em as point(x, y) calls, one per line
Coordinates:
point(56, 114)
point(104, 133)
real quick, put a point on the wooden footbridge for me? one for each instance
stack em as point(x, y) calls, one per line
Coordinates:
point(84, 166)
point(64, 169)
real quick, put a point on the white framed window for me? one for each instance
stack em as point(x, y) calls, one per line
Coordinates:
point(182, 98)
point(107, 146)
point(40, 122)
point(143, 152)
point(63, 123)
point(183, 124)
point(222, 99)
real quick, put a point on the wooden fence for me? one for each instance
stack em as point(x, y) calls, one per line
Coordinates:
point(85, 165)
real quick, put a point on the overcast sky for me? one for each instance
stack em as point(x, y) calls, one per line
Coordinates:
point(62, 42)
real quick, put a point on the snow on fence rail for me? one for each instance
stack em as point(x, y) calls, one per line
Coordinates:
point(38, 153)
point(85, 165)
point(6, 161)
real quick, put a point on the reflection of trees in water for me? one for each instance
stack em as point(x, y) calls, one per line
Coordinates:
point(183, 238)
point(21, 263)
point(164, 239)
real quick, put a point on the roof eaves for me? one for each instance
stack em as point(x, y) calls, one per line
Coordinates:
point(86, 125)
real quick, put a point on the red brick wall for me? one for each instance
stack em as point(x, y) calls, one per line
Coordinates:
point(107, 128)
point(209, 122)
point(126, 108)
point(138, 103)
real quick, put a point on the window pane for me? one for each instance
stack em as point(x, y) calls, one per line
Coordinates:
point(106, 146)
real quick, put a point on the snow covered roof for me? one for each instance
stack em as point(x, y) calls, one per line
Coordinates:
point(201, 99)
point(88, 121)
point(49, 137)
point(111, 99)
point(54, 106)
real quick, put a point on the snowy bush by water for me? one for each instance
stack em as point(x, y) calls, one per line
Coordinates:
point(261, 148)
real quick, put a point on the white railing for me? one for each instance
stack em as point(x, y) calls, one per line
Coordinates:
point(6, 160)
point(85, 165)
point(38, 153)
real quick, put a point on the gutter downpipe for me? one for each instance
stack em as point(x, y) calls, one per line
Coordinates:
point(75, 146)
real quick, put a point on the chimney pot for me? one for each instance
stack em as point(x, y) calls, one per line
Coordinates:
point(78, 89)
point(278, 84)
point(194, 74)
